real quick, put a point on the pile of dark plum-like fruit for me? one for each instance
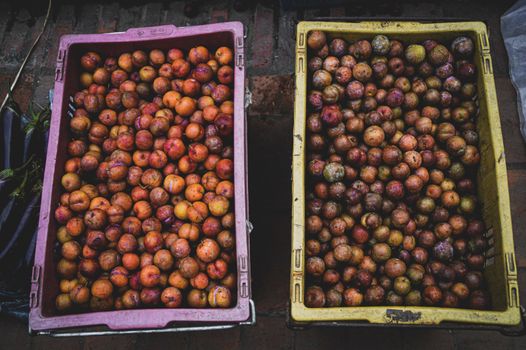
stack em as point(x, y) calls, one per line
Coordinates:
point(392, 216)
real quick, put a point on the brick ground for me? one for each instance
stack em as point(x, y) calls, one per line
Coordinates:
point(270, 61)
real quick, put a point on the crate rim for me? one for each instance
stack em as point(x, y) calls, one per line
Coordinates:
point(392, 26)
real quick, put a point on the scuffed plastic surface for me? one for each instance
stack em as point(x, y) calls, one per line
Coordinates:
point(513, 26)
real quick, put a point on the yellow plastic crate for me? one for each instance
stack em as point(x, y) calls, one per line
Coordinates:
point(501, 270)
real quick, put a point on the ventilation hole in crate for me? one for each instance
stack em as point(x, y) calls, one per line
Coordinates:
point(297, 258)
point(510, 260)
point(489, 253)
point(33, 299)
point(35, 274)
point(300, 65)
point(489, 233)
point(489, 261)
point(477, 104)
point(487, 66)
point(484, 40)
point(302, 40)
point(490, 240)
point(514, 302)
point(481, 94)
point(58, 74)
point(242, 263)
point(491, 243)
point(297, 293)
point(244, 289)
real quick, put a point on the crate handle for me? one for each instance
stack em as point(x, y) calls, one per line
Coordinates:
point(152, 32)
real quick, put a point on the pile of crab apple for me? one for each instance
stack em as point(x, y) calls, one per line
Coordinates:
point(146, 215)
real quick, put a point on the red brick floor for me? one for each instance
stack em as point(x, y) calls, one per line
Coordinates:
point(270, 46)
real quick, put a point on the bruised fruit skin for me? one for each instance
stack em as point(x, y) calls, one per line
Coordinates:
point(462, 47)
point(146, 209)
point(333, 172)
point(392, 152)
point(381, 45)
point(219, 296)
point(171, 297)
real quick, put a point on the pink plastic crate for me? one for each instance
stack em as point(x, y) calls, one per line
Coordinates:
point(43, 316)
